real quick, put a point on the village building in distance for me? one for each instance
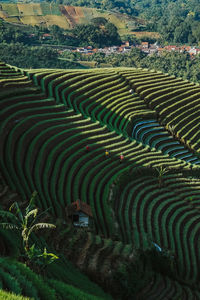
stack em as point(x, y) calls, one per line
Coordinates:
point(145, 47)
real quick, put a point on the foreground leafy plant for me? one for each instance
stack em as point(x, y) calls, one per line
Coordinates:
point(26, 222)
point(40, 258)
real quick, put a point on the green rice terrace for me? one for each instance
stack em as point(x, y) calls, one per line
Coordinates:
point(62, 134)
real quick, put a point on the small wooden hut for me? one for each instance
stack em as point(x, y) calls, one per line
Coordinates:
point(81, 213)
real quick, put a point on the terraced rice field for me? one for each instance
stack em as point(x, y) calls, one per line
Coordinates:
point(49, 116)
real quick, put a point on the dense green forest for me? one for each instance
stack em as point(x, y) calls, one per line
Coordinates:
point(148, 9)
point(176, 21)
point(100, 33)
point(33, 57)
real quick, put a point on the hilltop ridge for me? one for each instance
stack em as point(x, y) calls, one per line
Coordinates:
point(47, 14)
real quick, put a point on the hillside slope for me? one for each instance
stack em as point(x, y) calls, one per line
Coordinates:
point(48, 117)
point(47, 14)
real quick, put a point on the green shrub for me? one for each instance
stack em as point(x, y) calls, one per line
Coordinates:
point(10, 296)
point(9, 282)
point(64, 271)
point(44, 291)
point(132, 278)
point(27, 288)
point(66, 291)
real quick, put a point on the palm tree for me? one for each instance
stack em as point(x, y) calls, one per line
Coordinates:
point(24, 221)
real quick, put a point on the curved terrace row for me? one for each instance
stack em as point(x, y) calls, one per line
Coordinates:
point(114, 97)
point(166, 214)
point(177, 105)
point(43, 148)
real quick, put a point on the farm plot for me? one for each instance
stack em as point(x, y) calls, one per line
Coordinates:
point(78, 15)
point(60, 21)
point(106, 97)
point(165, 215)
point(177, 105)
point(32, 20)
point(29, 9)
point(151, 133)
point(35, 166)
point(92, 99)
point(48, 117)
point(31, 160)
point(10, 8)
point(18, 278)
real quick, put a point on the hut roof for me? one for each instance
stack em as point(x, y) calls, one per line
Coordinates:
point(81, 206)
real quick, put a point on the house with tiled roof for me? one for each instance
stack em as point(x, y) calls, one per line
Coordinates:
point(145, 45)
point(80, 213)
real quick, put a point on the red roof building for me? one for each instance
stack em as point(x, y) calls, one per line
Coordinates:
point(171, 48)
point(81, 213)
point(46, 36)
point(82, 206)
point(145, 45)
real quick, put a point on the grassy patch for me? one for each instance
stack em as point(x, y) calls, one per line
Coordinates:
point(140, 34)
point(90, 64)
point(11, 9)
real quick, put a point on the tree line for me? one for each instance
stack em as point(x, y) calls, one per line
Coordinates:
point(25, 56)
point(174, 63)
point(99, 33)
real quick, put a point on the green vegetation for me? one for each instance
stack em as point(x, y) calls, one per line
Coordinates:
point(58, 279)
point(48, 14)
point(126, 6)
point(24, 222)
point(19, 279)
point(176, 21)
point(175, 26)
point(144, 225)
point(27, 223)
point(97, 35)
point(173, 63)
point(144, 239)
point(33, 57)
point(11, 296)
